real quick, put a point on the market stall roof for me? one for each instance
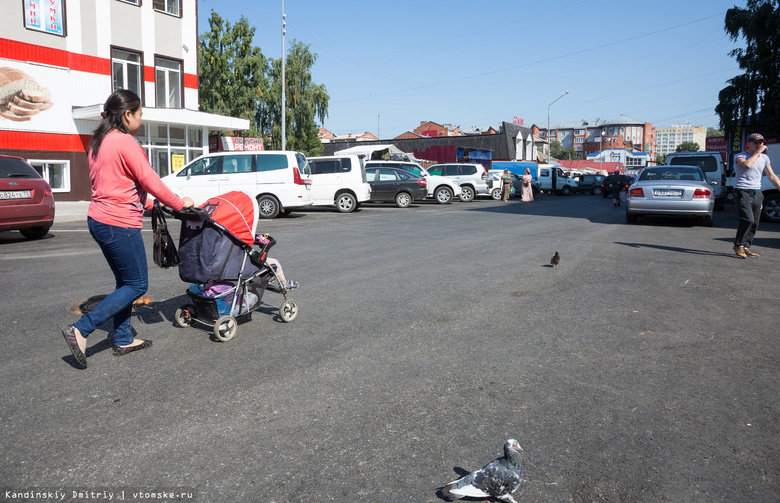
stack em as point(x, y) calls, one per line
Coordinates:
point(172, 116)
point(371, 151)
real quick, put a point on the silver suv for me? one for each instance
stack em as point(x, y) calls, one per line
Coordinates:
point(471, 177)
point(442, 189)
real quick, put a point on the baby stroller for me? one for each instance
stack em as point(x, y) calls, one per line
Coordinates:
point(225, 262)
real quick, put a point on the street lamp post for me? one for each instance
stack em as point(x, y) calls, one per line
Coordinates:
point(601, 150)
point(548, 123)
point(284, 90)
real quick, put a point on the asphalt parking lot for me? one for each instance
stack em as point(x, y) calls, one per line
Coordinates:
point(644, 368)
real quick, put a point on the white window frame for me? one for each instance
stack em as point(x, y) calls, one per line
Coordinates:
point(125, 63)
point(172, 7)
point(134, 2)
point(167, 80)
point(44, 164)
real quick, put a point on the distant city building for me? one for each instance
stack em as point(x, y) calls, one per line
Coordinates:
point(669, 138)
point(434, 130)
point(326, 136)
point(588, 137)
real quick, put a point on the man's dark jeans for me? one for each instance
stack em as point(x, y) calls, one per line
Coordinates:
point(748, 204)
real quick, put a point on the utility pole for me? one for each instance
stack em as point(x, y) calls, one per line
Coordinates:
point(284, 86)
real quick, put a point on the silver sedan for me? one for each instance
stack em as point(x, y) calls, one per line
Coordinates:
point(671, 190)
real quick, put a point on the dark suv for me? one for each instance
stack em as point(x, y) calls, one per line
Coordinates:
point(590, 184)
point(614, 182)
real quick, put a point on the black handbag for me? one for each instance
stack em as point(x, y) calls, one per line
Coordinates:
point(164, 251)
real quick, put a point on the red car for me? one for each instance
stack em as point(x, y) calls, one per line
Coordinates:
point(26, 201)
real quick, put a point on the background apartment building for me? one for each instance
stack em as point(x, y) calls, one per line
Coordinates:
point(72, 54)
point(669, 138)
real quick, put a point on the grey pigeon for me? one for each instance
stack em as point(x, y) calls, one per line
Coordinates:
point(497, 479)
point(555, 260)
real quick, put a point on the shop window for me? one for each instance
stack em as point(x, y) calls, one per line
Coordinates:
point(195, 137)
point(47, 16)
point(126, 70)
point(178, 136)
point(168, 81)
point(57, 173)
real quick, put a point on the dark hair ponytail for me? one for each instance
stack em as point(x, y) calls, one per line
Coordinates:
point(114, 109)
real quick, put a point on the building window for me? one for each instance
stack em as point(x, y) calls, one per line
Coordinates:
point(579, 132)
point(167, 6)
point(134, 2)
point(47, 16)
point(126, 70)
point(57, 173)
point(167, 76)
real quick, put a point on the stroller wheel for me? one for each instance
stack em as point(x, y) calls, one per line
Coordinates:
point(225, 328)
point(185, 315)
point(288, 311)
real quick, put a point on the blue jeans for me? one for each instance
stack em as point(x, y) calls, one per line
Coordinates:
point(748, 204)
point(124, 251)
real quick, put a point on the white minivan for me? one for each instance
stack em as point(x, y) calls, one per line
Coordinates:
point(279, 180)
point(339, 181)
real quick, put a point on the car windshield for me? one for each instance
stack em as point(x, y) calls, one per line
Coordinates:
point(671, 173)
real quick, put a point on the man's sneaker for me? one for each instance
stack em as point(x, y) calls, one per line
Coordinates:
point(740, 251)
point(750, 253)
point(290, 284)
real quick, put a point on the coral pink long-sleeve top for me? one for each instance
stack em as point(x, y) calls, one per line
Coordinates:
point(121, 178)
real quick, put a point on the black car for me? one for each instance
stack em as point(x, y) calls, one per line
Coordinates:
point(615, 182)
point(590, 184)
point(393, 184)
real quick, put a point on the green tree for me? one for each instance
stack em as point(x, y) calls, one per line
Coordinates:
point(569, 153)
point(232, 78)
point(556, 149)
point(660, 159)
point(687, 146)
point(306, 102)
point(756, 91)
point(711, 131)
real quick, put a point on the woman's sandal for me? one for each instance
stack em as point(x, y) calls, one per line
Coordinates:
point(120, 351)
point(69, 333)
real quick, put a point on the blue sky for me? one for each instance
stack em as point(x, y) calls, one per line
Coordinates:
point(388, 66)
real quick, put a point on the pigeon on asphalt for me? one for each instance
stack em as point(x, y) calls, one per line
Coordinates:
point(497, 479)
point(555, 260)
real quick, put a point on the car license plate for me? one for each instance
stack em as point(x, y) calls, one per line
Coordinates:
point(15, 194)
point(668, 193)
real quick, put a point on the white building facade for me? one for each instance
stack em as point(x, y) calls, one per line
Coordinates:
point(669, 138)
point(72, 54)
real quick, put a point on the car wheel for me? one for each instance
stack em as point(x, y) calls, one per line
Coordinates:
point(631, 218)
point(771, 210)
point(443, 195)
point(403, 199)
point(565, 191)
point(596, 191)
point(466, 193)
point(707, 221)
point(496, 194)
point(34, 232)
point(267, 207)
point(346, 202)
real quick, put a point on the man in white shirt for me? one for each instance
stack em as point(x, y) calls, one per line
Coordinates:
point(750, 166)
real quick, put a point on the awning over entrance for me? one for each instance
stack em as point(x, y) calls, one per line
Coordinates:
point(173, 116)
